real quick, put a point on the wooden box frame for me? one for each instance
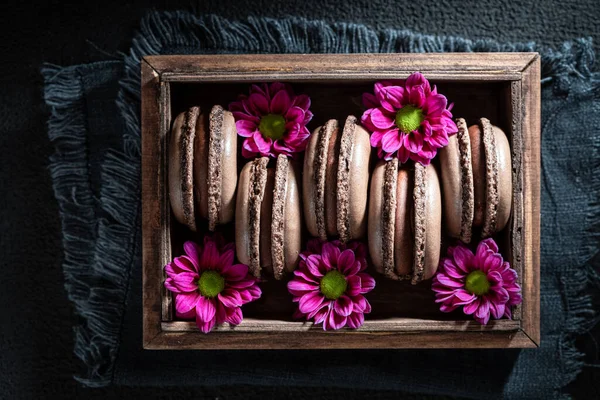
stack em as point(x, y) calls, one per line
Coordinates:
point(521, 73)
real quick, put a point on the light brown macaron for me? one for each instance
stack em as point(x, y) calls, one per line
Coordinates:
point(405, 221)
point(477, 180)
point(203, 166)
point(268, 223)
point(336, 179)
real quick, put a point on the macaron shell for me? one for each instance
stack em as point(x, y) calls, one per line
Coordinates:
point(228, 169)
point(286, 222)
point(375, 229)
point(201, 165)
point(457, 184)
point(331, 180)
point(309, 189)
point(242, 215)
point(180, 164)
point(479, 174)
point(403, 234)
point(433, 223)
point(353, 181)
point(266, 213)
point(503, 157)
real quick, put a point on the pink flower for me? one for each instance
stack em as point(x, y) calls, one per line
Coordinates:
point(408, 119)
point(329, 284)
point(482, 283)
point(208, 286)
point(273, 120)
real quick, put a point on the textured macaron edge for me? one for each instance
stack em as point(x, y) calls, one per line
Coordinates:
point(419, 196)
point(319, 177)
point(258, 182)
point(186, 161)
point(278, 216)
point(466, 176)
point(343, 178)
point(215, 159)
point(388, 218)
point(491, 179)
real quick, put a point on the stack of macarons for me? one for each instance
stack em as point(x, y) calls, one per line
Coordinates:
point(336, 192)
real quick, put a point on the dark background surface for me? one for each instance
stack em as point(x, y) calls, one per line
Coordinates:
point(36, 359)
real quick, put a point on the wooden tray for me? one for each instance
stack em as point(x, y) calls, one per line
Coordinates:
point(504, 87)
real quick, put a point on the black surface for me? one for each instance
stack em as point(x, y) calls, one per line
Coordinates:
point(36, 359)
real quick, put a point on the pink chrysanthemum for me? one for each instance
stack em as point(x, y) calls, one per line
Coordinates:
point(329, 284)
point(208, 286)
point(273, 120)
point(408, 119)
point(482, 283)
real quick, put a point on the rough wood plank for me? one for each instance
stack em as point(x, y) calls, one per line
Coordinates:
point(342, 340)
point(531, 200)
point(307, 67)
point(151, 211)
point(388, 325)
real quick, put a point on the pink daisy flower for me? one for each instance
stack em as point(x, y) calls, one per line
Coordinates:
point(408, 119)
point(208, 286)
point(482, 283)
point(273, 120)
point(329, 284)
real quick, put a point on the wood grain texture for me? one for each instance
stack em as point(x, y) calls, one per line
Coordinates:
point(505, 88)
point(337, 340)
point(302, 67)
point(530, 93)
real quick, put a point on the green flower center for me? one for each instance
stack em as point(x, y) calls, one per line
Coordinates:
point(272, 126)
point(333, 284)
point(477, 283)
point(211, 283)
point(409, 118)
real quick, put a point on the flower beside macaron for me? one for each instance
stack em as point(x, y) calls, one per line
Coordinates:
point(330, 283)
point(272, 119)
point(208, 286)
point(408, 119)
point(482, 284)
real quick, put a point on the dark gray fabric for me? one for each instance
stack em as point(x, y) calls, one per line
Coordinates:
point(570, 97)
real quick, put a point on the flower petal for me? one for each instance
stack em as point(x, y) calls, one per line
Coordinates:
point(205, 309)
point(316, 266)
point(369, 100)
point(300, 285)
point(355, 320)
point(472, 307)
point(354, 285)
point(462, 257)
point(343, 306)
point(310, 301)
point(280, 103)
point(245, 128)
point(413, 142)
point(235, 317)
point(183, 282)
point(302, 101)
point(391, 141)
point(294, 114)
point(205, 327)
point(184, 302)
point(336, 321)
point(230, 298)
point(235, 272)
point(381, 120)
point(259, 102)
point(345, 261)
point(435, 104)
point(193, 252)
point(417, 96)
point(330, 255)
point(367, 282)
point(263, 144)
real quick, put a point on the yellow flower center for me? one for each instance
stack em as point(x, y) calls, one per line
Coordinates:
point(477, 283)
point(333, 284)
point(211, 283)
point(272, 126)
point(409, 118)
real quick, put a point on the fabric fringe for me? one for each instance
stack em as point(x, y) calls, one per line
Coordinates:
point(185, 33)
point(104, 227)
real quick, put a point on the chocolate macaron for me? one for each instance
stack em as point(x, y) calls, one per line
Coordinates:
point(203, 167)
point(476, 180)
point(336, 179)
point(405, 221)
point(268, 223)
